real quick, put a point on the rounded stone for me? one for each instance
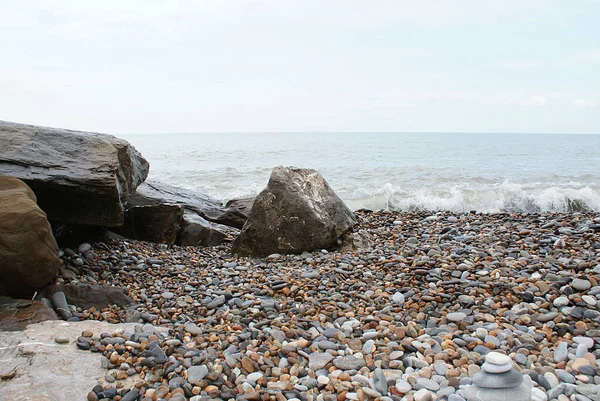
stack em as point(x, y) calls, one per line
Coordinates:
point(456, 316)
point(491, 368)
point(496, 358)
point(581, 284)
point(318, 360)
point(586, 341)
point(196, 373)
point(349, 362)
point(422, 395)
point(561, 352)
point(561, 301)
point(509, 379)
point(403, 386)
point(61, 339)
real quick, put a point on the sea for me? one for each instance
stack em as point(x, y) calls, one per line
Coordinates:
point(396, 171)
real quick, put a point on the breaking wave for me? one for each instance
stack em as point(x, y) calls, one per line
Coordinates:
point(503, 197)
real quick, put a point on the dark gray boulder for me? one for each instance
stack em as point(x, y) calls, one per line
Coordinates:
point(296, 212)
point(78, 177)
point(28, 251)
point(158, 223)
point(154, 192)
point(197, 231)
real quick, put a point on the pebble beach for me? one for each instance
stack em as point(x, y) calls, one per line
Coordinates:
point(410, 318)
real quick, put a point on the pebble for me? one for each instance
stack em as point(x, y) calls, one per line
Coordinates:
point(456, 316)
point(61, 339)
point(561, 352)
point(581, 284)
point(349, 362)
point(318, 360)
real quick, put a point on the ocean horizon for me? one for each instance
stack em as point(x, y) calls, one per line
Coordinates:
point(458, 172)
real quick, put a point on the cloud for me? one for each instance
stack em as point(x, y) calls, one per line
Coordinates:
point(585, 103)
point(591, 56)
point(533, 101)
point(517, 64)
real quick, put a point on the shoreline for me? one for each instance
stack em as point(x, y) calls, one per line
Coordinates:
point(431, 297)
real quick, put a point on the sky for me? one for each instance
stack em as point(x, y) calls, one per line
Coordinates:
point(140, 66)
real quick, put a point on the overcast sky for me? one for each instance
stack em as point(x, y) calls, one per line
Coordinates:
point(127, 66)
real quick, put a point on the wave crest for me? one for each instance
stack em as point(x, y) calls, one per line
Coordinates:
point(504, 197)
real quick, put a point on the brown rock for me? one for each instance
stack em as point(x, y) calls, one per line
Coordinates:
point(89, 296)
point(16, 314)
point(28, 251)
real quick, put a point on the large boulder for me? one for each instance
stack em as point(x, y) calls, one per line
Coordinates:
point(154, 192)
point(296, 212)
point(28, 251)
point(78, 177)
point(197, 231)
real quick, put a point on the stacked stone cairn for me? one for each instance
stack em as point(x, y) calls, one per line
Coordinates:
point(498, 381)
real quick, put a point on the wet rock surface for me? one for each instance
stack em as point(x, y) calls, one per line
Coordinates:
point(411, 318)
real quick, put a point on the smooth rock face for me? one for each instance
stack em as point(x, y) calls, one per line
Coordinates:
point(78, 177)
point(158, 223)
point(153, 192)
point(197, 231)
point(28, 251)
point(296, 212)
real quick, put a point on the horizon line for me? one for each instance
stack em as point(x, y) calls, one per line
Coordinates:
point(357, 132)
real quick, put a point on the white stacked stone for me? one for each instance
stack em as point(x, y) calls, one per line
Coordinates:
point(498, 381)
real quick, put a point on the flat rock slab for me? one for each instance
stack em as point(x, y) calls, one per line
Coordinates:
point(34, 367)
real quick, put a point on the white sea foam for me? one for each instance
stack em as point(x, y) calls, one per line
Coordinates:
point(503, 197)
